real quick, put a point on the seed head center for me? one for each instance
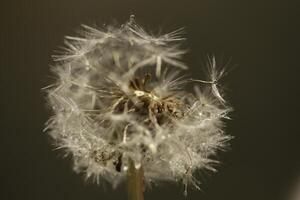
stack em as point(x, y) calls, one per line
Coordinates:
point(140, 93)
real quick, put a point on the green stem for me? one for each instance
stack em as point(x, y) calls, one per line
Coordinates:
point(135, 181)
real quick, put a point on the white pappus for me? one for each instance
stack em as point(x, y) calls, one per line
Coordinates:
point(119, 96)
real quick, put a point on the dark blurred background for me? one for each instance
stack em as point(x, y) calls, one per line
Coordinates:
point(260, 37)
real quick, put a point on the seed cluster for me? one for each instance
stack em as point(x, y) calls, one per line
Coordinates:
point(119, 97)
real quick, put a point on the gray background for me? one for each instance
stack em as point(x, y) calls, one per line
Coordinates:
point(259, 35)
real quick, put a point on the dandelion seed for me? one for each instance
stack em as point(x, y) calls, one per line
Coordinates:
point(119, 99)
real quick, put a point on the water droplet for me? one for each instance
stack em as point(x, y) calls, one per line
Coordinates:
point(137, 165)
point(185, 191)
point(152, 147)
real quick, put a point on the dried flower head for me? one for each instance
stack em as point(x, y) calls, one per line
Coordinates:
point(115, 101)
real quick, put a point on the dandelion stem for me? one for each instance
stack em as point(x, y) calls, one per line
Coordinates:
point(135, 181)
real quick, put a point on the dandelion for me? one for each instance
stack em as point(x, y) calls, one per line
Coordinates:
point(122, 109)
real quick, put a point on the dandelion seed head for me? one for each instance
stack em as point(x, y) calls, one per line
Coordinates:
point(120, 96)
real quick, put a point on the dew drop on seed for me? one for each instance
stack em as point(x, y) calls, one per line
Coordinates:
point(125, 168)
point(137, 165)
point(185, 191)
